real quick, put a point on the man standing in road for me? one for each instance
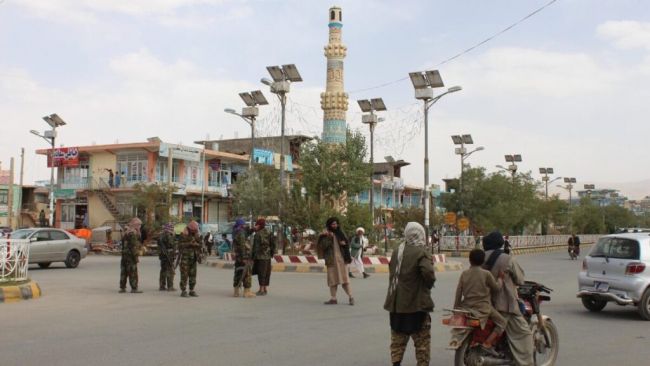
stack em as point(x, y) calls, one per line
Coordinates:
point(190, 251)
point(519, 335)
point(167, 256)
point(130, 254)
point(243, 258)
point(357, 246)
point(263, 251)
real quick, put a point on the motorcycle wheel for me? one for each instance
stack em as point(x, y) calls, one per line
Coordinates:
point(546, 354)
point(462, 354)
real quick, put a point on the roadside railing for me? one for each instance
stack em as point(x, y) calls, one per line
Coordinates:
point(525, 241)
point(14, 260)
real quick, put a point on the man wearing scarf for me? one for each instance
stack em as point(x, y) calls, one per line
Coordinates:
point(409, 296)
point(263, 251)
point(243, 259)
point(519, 335)
point(167, 256)
point(130, 253)
point(333, 247)
point(190, 251)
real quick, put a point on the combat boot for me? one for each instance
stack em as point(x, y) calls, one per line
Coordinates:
point(184, 294)
point(236, 292)
point(248, 293)
point(136, 291)
point(122, 290)
point(193, 293)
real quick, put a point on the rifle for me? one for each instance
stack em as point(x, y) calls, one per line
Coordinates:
point(246, 268)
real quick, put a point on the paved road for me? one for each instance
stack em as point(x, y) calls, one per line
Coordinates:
point(82, 320)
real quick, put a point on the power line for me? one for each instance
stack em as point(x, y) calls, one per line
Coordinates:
point(467, 50)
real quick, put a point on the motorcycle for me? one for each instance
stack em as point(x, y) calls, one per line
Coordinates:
point(468, 337)
point(574, 252)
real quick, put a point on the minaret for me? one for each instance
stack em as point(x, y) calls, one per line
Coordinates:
point(334, 101)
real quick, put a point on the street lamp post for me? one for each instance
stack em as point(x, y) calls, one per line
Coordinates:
point(424, 83)
point(370, 118)
point(569, 187)
point(546, 179)
point(50, 136)
point(512, 168)
point(463, 140)
point(249, 114)
point(282, 77)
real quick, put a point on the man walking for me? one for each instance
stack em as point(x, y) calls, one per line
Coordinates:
point(111, 175)
point(243, 253)
point(358, 245)
point(190, 251)
point(167, 256)
point(41, 218)
point(130, 254)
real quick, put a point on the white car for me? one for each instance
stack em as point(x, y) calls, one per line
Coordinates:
point(49, 245)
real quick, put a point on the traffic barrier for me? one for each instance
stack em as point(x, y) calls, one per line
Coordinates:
point(448, 243)
point(18, 292)
point(311, 259)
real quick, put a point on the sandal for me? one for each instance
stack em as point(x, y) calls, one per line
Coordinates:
point(331, 302)
point(351, 301)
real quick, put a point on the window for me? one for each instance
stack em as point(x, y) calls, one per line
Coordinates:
point(193, 173)
point(602, 248)
point(133, 166)
point(332, 15)
point(161, 171)
point(58, 235)
point(624, 249)
point(4, 197)
point(42, 235)
point(67, 212)
point(221, 177)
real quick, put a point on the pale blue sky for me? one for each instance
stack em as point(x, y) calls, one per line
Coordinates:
point(568, 88)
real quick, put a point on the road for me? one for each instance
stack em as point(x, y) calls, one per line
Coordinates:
point(82, 320)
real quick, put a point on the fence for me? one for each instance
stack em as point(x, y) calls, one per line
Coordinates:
point(14, 260)
point(468, 242)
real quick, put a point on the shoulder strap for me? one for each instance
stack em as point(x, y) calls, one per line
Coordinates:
point(492, 259)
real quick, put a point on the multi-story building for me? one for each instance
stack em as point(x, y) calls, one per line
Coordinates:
point(389, 190)
point(5, 201)
point(639, 207)
point(86, 196)
point(603, 197)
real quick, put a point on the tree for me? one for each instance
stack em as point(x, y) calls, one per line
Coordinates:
point(332, 171)
point(587, 218)
point(257, 192)
point(494, 201)
point(153, 201)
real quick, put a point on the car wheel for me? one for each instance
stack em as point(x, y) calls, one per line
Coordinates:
point(644, 305)
point(44, 264)
point(593, 304)
point(72, 261)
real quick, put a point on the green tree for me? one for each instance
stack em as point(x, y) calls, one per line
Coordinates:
point(617, 217)
point(587, 218)
point(332, 171)
point(152, 201)
point(257, 192)
point(494, 201)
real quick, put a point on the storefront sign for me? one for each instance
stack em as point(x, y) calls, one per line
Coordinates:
point(261, 156)
point(65, 194)
point(180, 152)
point(63, 156)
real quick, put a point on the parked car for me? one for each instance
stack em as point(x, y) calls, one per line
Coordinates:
point(52, 245)
point(5, 231)
point(615, 271)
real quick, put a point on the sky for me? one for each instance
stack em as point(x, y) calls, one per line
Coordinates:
point(567, 88)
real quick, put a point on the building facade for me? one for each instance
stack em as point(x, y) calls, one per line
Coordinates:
point(95, 184)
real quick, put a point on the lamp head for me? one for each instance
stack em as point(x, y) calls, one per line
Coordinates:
point(34, 132)
point(454, 89)
point(266, 81)
point(230, 110)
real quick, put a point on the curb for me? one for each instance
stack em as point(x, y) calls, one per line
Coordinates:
point(15, 293)
point(531, 250)
point(319, 268)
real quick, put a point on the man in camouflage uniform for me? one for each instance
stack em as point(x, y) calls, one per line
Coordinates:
point(130, 253)
point(263, 251)
point(167, 255)
point(243, 260)
point(190, 251)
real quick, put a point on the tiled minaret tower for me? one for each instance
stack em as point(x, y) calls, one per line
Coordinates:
point(334, 101)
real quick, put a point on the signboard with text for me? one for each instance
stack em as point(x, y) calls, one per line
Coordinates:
point(63, 157)
point(180, 152)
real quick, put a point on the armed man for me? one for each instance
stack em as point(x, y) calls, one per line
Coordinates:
point(190, 256)
point(167, 256)
point(263, 251)
point(130, 253)
point(243, 259)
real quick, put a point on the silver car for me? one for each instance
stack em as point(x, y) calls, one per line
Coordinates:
point(615, 271)
point(52, 245)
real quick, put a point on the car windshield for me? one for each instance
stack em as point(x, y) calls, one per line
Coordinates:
point(21, 234)
point(617, 248)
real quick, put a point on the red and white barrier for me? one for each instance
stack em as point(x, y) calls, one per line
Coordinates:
point(312, 259)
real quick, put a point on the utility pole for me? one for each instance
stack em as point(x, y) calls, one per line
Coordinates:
point(10, 198)
point(22, 167)
point(370, 106)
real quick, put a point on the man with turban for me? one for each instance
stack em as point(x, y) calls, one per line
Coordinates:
point(243, 258)
point(190, 251)
point(263, 251)
point(167, 255)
